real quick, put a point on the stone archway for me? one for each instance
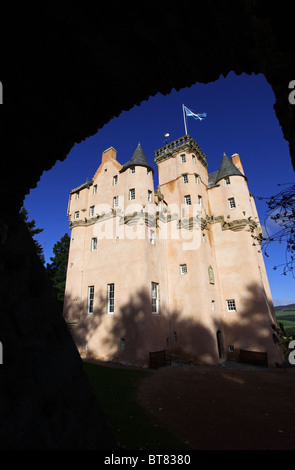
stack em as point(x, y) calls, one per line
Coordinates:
point(66, 73)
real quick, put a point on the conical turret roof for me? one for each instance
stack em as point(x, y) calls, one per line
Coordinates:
point(227, 168)
point(137, 159)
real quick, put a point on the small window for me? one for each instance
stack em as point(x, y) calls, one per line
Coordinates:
point(227, 180)
point(197, 178)
point(183, 269)
point(111, 298)
point(185, 178)
point(150, 193)
point(132, 169)
point(122, 344)
point(93, 244)
point(194, 159)
point(211, 275)
point(175, 336)
point(115, 180)
point(95, 189)
point(90, 300)
point(204, 238)
point(231, 305)
point(152, 237)
point(187, 200)
point(116, 201)
point(131, 194)
point(213, 305)
point(148, 171)
point(91, 211)
point(77, 195)
point(183, 158)
point(232, 202)
point(76, 215)
point(155, 297)
point(231, 348)
point(200, 201)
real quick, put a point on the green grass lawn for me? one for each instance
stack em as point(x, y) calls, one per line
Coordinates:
point(133, 428)
point(287, 318)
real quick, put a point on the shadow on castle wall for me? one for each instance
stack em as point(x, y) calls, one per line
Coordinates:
point(133, 331)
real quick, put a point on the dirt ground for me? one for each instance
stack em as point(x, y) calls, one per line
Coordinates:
point(227, 407)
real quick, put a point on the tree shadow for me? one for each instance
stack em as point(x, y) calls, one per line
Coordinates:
point(133, 331)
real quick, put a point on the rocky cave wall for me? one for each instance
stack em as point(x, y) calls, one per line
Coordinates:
point(65, 73)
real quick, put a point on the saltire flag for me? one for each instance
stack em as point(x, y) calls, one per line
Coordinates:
point(200, 117)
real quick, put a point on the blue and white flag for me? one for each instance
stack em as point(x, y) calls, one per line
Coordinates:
point(200, 117)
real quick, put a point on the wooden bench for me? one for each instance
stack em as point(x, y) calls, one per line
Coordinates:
point(159, 359)
point(253, 357)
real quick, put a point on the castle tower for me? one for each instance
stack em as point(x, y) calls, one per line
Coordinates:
point(174, 268)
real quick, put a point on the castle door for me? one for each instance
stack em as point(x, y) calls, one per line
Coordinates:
point(220, 345)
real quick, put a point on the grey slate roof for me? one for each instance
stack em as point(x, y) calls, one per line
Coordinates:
point(138, 159)
point(227, 168)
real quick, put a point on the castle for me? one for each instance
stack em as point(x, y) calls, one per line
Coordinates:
point(175, 268)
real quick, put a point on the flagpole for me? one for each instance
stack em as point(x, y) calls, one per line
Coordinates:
point(184, 120)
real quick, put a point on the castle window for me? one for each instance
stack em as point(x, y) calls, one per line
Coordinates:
point(197, 178)
point(132, 169)
point(231, 305)
point(115, 180)
point(232, 203)
point(95, 189)
point(183, 158)
point(93, 244)
point(194, 159)
point(150, 195)
point(155, 297)
point(91, 211)
point(77, 195)
point(183, 269)
point(175, 336)
point(152, 237)
point(111, 298)
point(200, 201)
point(211, 275)
point(227, 180)
point(213, 305)
point(76, 215)
point(185, 178)
point(148, 171)
point(122, 344)
point(90, 300)
point(115, 201)
point(131, 194)
point(204, 237)
point(187, 200)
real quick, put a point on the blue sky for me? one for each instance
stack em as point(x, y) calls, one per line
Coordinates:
point(240, 119)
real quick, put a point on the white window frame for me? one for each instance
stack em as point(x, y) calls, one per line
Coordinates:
point(150, 195)
point(194, 159)
point(183, 269)
point(77, 195)
point(185, 178)
point(227, 180)
point(94, 244)
point(90, 300)
point(213, 305)
point(131, 194)
point(94, 188)
point(76, 215)
point(91, 211)
point(115, 201)
point(200, 200)
point(197, 178)
point(231, 305)
point(155, 298)
point(231, 202)
point(115, 180)
point(111, 298)
point(183, 158)
point(187, 200)
point(132, 169)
